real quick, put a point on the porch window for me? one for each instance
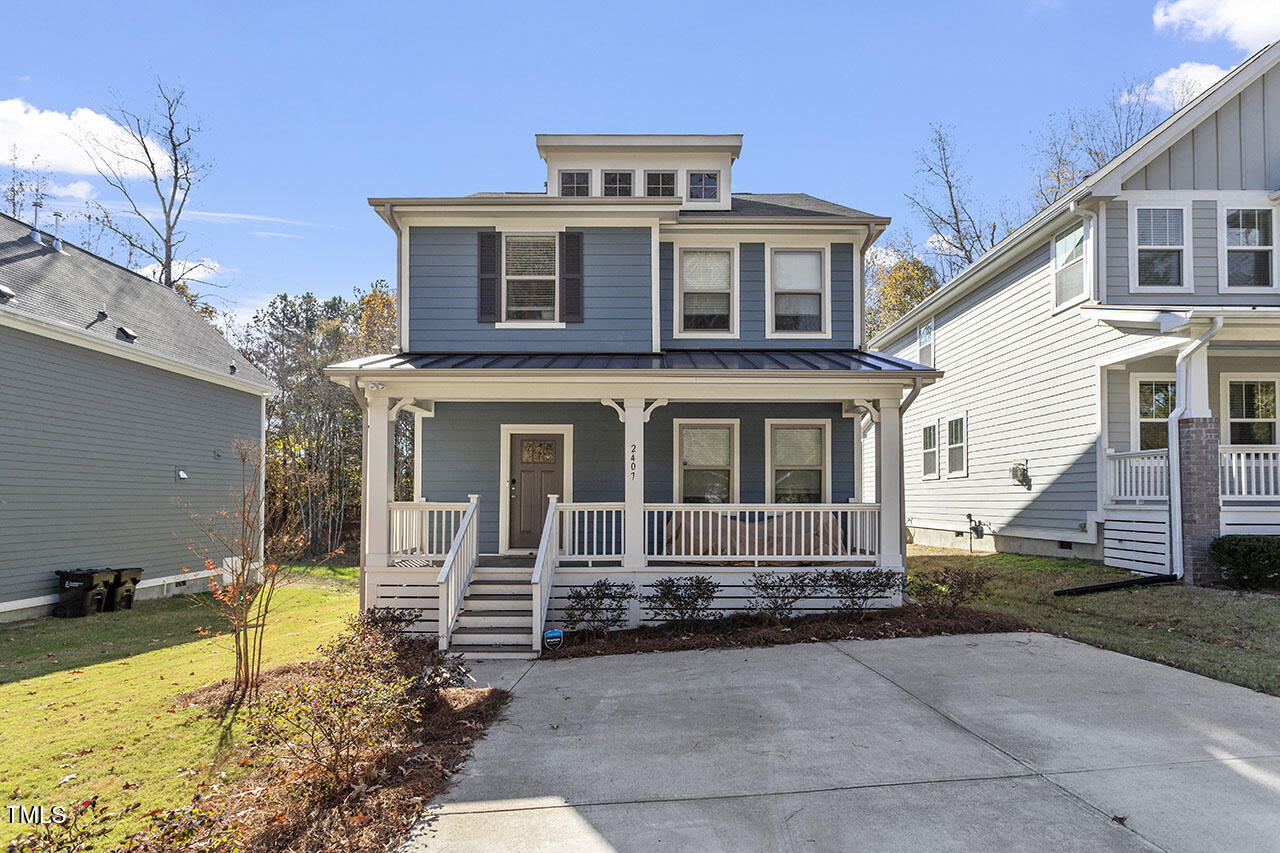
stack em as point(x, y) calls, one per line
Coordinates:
point(929, 452)
point(708, 457)
point(704, 186)
point(1249, 244)
point(706, 290)
point(798, 291)
point(1068, 265)
point(958, 446)
point(617, 183)
point(1251, 411)
point(798, 462)
point(1161, 245)
point(660, 184)
point(924, 343)
point(1157, 398)
point(575, 183)
point(529, 277)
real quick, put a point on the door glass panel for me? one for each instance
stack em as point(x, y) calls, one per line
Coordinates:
point(538, 451)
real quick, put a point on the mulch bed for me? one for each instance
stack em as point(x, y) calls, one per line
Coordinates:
point(741, 630)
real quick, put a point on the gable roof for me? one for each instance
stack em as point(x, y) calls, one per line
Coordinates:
point(61, 294)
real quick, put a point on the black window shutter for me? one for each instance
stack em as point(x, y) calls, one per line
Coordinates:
point(487, 278)
point(571, 276)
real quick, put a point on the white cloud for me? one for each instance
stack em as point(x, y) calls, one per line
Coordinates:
point(1248, 24)
point(208, 269)
point(939, 244)
point(50, 137)
point(82, 190)
point(1176, 87)
point(883, 256)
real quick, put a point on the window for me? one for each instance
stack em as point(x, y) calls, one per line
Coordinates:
point(707, 462)
point(660, 184)
point(575, 183)
point(704, 186)
point(924, 343)
point(1068, 265)
point(706, 290)
point(1249, 245)
point(797, 461)
point(798, 291)
point(1251, 411)
point(617, 183)
point(1160, 248)
point(957, 446)
point(1156, 399)
point(929, 452)
point(529, 277)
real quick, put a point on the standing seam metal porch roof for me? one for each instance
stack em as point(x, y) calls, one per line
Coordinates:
point(833, 360)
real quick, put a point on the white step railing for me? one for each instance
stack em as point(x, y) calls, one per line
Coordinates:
point(1138, 476)
point(1250, 472)
point(591, 531)
point(544, 569)
point(455, 574)
point(419, 528)
point(762, 532)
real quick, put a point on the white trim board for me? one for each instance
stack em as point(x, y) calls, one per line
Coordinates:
point(504, 474)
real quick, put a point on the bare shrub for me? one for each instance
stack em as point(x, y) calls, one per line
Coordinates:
point(949, 588)
point(682, 600)
point(774, 594)
point(855, 589)
point(600, 607)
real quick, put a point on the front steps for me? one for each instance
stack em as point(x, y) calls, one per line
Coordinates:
point(496, 622)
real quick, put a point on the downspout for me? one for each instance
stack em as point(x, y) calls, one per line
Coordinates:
point(1175, 462)
point(916, 387)
point(1091, 259)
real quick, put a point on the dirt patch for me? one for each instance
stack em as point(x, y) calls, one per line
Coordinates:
point(219, 693)
point(748, 630)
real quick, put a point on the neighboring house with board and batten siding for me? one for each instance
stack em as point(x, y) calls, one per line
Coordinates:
point(1112, 365)
point(592, 366)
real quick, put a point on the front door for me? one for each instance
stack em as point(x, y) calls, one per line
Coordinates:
point(537, 470)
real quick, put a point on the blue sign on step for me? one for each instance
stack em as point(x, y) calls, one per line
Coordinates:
point(553, 638)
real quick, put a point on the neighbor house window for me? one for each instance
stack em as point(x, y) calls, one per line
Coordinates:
point(617, 183)
point(1251, 411)
point(704, 186)
point(1157, 399)
point(1161, 246)
point(660, 184)
point(529, 277)
point(1068, 265)
point(929, 452)
point(798, 291)
point(1249, 244)
point(575, 183)
point(707, 456)
point(706, 290)
point(798, 462)
point(924, 343)
point(957, 446)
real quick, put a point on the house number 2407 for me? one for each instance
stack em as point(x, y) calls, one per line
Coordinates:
point(632, 467)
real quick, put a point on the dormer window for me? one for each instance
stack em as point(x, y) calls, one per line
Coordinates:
point(704, 186)
point(617, 184)
point(575, 183)
point(660, 184)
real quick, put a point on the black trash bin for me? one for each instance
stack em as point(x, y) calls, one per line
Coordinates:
point(123, 588)
point(83, 591)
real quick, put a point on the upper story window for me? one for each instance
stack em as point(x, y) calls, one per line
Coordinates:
point(617, 184)
point(1251, 411)
point(1156, 399)
point(1248, 249)
point(929, 452)
point(704, 186)
point(706, 461)
point(1068, 265)
point(529, 267)
point(1161, 249)
point(958, 446)
point(660, 184)
point(798, 299)
point(798, 463)
point(924, 343)
point(705, 302)
point(575, 183)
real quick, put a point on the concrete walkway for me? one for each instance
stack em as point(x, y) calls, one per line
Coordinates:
point(1000, 742)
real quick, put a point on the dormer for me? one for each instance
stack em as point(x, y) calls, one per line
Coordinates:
point(692, 167)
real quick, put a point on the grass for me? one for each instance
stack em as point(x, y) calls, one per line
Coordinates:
point(1230, 636)
point(87, 706)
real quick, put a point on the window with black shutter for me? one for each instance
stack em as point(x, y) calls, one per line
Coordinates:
point(571, 277)
point(487, 277)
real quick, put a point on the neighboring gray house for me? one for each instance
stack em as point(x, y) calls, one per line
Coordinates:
point(1112, 365)
point(121, 405)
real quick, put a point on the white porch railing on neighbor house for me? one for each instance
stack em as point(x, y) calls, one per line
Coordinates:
point(455, 574)
point(712, 533)
point(544, 569)
point(591, 531)
point(1138, 476)
point(424, 529)
point(1250, 472)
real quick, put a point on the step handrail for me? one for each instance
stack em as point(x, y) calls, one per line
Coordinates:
point(455, 574)
point(544, 569)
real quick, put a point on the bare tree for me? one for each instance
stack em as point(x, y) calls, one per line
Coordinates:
point(24, 185)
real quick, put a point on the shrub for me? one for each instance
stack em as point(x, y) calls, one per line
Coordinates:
point(774, 594)
point(70, 828)
point(949, 588)
point(418, 658)
point(1248, 562)
point(682, 600)
point(200, 826)
point(855, 589)
point(600, 607)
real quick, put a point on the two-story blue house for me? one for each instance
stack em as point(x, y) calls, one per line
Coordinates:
point(593, 366)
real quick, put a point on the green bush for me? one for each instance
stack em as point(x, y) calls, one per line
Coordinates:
point(855, 589)
point(948, 588)
point(1248, 562)
point(600, 607)
point(683, 601)
point(774, 594)
point(69, 828)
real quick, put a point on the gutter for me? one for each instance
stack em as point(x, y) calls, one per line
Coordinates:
point(1175, 462)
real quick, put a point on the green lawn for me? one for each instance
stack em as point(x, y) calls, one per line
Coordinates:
point(1231, 636)
point(87, 705)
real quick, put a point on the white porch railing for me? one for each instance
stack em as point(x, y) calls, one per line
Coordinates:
point(1250, 472)
point(591, 531)
point(544, 569)
point(762, 532)
point(1138, 476)
point(424, 529)
point(455, 574)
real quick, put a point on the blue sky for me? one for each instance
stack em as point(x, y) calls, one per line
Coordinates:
point(312, 108)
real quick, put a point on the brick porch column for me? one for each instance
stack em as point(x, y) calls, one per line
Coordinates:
point(1201, 510)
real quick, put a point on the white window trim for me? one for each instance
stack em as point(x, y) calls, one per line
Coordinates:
point(1188, 268)
point(1135, 424)
point(590, 181)
point(1224, 400)
point(770, 483)
point(631, 172)
point(1086, 283)
point(735, 463)
point(944, 441)
point(504, 474)
point(688, 184)
point(504, 323)
point(675, 182)
point(825, 265)
point(677, 312)
point(1261, 203)
point(933, 341)
point(937, 454)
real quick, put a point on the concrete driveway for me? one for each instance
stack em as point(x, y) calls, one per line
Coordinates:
point(999, 742)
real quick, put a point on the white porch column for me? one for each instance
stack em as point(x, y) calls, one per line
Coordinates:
point(633, 418)
point(1196, 390)
point(889, 483)
point(375, 538)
